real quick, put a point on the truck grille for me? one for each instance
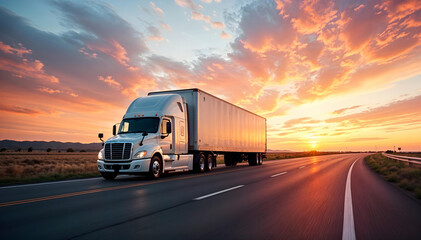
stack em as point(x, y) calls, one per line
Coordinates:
point(118, 150)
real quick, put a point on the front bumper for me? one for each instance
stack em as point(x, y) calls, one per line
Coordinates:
point(133, 167)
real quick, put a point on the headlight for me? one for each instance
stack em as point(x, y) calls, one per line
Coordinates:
point(100, 156)
point(139, 155)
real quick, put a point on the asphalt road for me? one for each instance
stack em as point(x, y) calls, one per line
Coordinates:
point(301, 198)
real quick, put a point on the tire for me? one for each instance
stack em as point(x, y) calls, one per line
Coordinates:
point(155, 168)
point(199, 162)
point(209, 162)
point(108, 175)
point(230, 159)
point(253, 159)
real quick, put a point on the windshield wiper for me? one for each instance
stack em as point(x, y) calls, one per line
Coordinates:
point(144, 134)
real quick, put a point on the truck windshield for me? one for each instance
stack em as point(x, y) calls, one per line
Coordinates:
point(139, 125)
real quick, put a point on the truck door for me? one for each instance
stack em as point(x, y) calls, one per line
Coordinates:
point(167, 142)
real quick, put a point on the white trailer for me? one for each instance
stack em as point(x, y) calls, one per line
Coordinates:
point(181, 130)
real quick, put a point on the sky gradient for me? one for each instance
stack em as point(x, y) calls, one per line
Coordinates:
point(327, 75)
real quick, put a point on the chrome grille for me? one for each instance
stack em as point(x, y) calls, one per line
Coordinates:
point(118, 150)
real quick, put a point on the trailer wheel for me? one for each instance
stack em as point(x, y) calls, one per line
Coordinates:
point(253, 159)
point(108, 175)
point(199, 162)
point(155, 168)
point(209, 163)
point(229, 160)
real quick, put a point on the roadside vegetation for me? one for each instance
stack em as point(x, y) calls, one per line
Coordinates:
point(26, 167)
point(405, 176)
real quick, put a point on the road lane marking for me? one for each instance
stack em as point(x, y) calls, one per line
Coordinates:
point(48, 183)
point(219, 192)
point(279, 174)
point(348, 232)
point(302, 167)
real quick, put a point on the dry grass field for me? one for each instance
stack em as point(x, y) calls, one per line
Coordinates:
point(41, 166)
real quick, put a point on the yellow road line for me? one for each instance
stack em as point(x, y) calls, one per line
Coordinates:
point(31, 200)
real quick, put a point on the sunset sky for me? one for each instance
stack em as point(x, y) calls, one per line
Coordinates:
point(327, 75)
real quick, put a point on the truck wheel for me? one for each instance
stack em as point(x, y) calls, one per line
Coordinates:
point(209, 163)
point(155, 168)
point(108, 175)
point(199, 162)
point(253, 159)
point(228, 159)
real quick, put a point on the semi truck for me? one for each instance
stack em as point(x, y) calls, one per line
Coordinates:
point(181, 130)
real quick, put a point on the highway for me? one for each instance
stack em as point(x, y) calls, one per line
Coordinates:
point(318, 197)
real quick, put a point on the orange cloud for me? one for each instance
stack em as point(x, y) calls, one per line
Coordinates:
point(22, 67)
point(16, 51)
point(110, 81)
point(18, 109)
point(225, 35)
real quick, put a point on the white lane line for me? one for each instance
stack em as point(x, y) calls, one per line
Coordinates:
point(279, 174)
point(48, 183)
point(302, 167)
point(219, 192)
point(348, 232)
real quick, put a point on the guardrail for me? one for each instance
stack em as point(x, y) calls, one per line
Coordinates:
point(409, 160)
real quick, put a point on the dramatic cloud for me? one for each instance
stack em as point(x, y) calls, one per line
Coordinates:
point(283, 56)
point(16, 63)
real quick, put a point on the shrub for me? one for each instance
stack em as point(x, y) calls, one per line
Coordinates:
point(49, 149)
point(410, 173)
point(393, 168)
point(404, 183)
point(392, 177)
point(3, 150)
point(30, 149)
point(418, 193)
point(82, 150)
point(70, 150)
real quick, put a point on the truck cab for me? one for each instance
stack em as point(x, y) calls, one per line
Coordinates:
point(151, 138)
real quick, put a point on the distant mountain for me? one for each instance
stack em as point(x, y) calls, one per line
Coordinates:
point(54, 145)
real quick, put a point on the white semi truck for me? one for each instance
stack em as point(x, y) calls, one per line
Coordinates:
point(181, 130)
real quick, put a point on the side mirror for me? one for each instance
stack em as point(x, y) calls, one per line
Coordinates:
point(101, 135)
point(114, 130)
point(168, 127)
